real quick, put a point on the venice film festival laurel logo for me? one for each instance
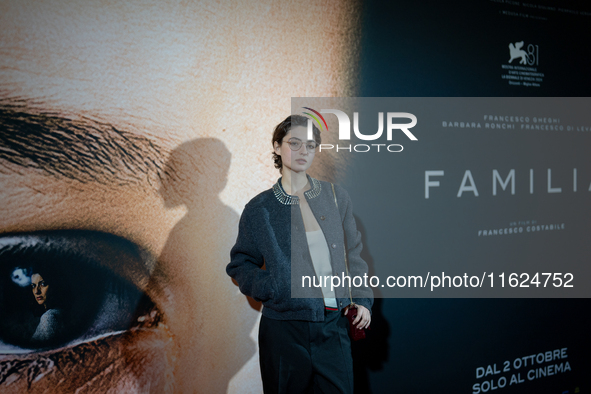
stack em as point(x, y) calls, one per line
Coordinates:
point(529, 58)
point(525, 71)
point(345, 130)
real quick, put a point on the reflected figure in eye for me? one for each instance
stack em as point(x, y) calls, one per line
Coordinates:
point(52, 316)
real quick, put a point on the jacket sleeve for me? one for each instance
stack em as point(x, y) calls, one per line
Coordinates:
point(357, 266)
point(246, 262)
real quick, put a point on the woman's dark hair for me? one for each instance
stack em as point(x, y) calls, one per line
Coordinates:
point(283, 128)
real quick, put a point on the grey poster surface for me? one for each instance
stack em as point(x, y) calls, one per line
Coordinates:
point(482, 197)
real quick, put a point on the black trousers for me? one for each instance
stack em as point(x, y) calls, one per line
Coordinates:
point(306, 357)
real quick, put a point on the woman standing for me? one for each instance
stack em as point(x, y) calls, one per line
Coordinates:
point(301, 228)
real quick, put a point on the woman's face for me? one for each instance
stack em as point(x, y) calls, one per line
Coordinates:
point(296, 160)
point(208, 78)
point(39, 288)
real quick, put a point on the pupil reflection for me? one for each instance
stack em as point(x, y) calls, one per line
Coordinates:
point(21, 277)
point(59, 287)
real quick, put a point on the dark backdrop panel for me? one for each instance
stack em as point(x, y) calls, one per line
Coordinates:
point(433, 48)
point(443, 49)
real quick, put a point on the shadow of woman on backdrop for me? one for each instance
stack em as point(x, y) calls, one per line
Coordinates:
point(209, 304)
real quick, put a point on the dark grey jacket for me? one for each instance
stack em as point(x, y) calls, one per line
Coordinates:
point(271, 232)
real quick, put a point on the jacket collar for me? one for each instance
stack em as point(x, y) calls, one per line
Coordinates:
point(288, 199)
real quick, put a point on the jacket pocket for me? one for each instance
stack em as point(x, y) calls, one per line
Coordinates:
point(278, 301)
point(267, 290)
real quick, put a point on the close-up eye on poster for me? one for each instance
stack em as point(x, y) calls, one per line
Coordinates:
point(295, 197)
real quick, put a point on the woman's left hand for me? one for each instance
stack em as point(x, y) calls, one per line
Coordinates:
point(363, 317)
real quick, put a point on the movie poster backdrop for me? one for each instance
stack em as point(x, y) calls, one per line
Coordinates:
point(132, 134)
